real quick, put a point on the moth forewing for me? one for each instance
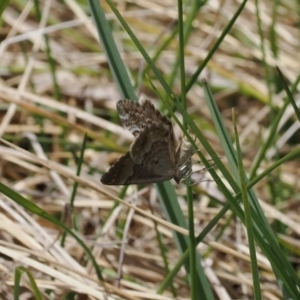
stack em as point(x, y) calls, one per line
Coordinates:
point(135, 117)
point(153, 149)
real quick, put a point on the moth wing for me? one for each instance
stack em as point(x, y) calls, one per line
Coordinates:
point(125, 172)
point(135, 117)
point(154, 150)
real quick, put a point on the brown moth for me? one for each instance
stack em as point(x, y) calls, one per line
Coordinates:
point(154, 156)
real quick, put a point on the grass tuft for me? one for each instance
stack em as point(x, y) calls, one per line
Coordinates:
point(233, 233)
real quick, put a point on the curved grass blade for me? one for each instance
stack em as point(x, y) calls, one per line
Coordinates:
point(30, 206)
point(228, 147)
point(248, 218)
point(289, 94)
point(18, 275)
point(75, 185)
point(147, 58)
point(216, 46)
point(274, 126)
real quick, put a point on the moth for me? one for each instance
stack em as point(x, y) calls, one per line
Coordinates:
point(155, 155)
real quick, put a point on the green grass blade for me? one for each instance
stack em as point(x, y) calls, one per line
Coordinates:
point(248, 218)
point(49, 55)
point(134, 39)
point(185, 255)
point(289, 94)
point(192, 242)
point(228, 148)
point(173, 213)
point(195, 76)
point(186, 32)
point(268, 142)
point(274, 126)
point(115, 62)
point(30, 206)
point(274, 166)
point(3, 4)
point(75, 185)
point(163, 252)
point(18, 275)
point(273, 32)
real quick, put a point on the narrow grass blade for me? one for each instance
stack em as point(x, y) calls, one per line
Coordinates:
point(163, 252)
point(195, 76)
point(275, 165)
point(274, 126)
point(248, 218)
point(263, 53)
point(75, 185)
point(18, 275)
point(113, 56)
point(185, 255)
point(268, 141)
point(228, 147)
point(192, 242)
point(49, 55)
point(289, 94)
point(147, 58)
point(3, 5)
point(173, 211)
point(30, 206)
point(186, 32)
point(273, 32)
